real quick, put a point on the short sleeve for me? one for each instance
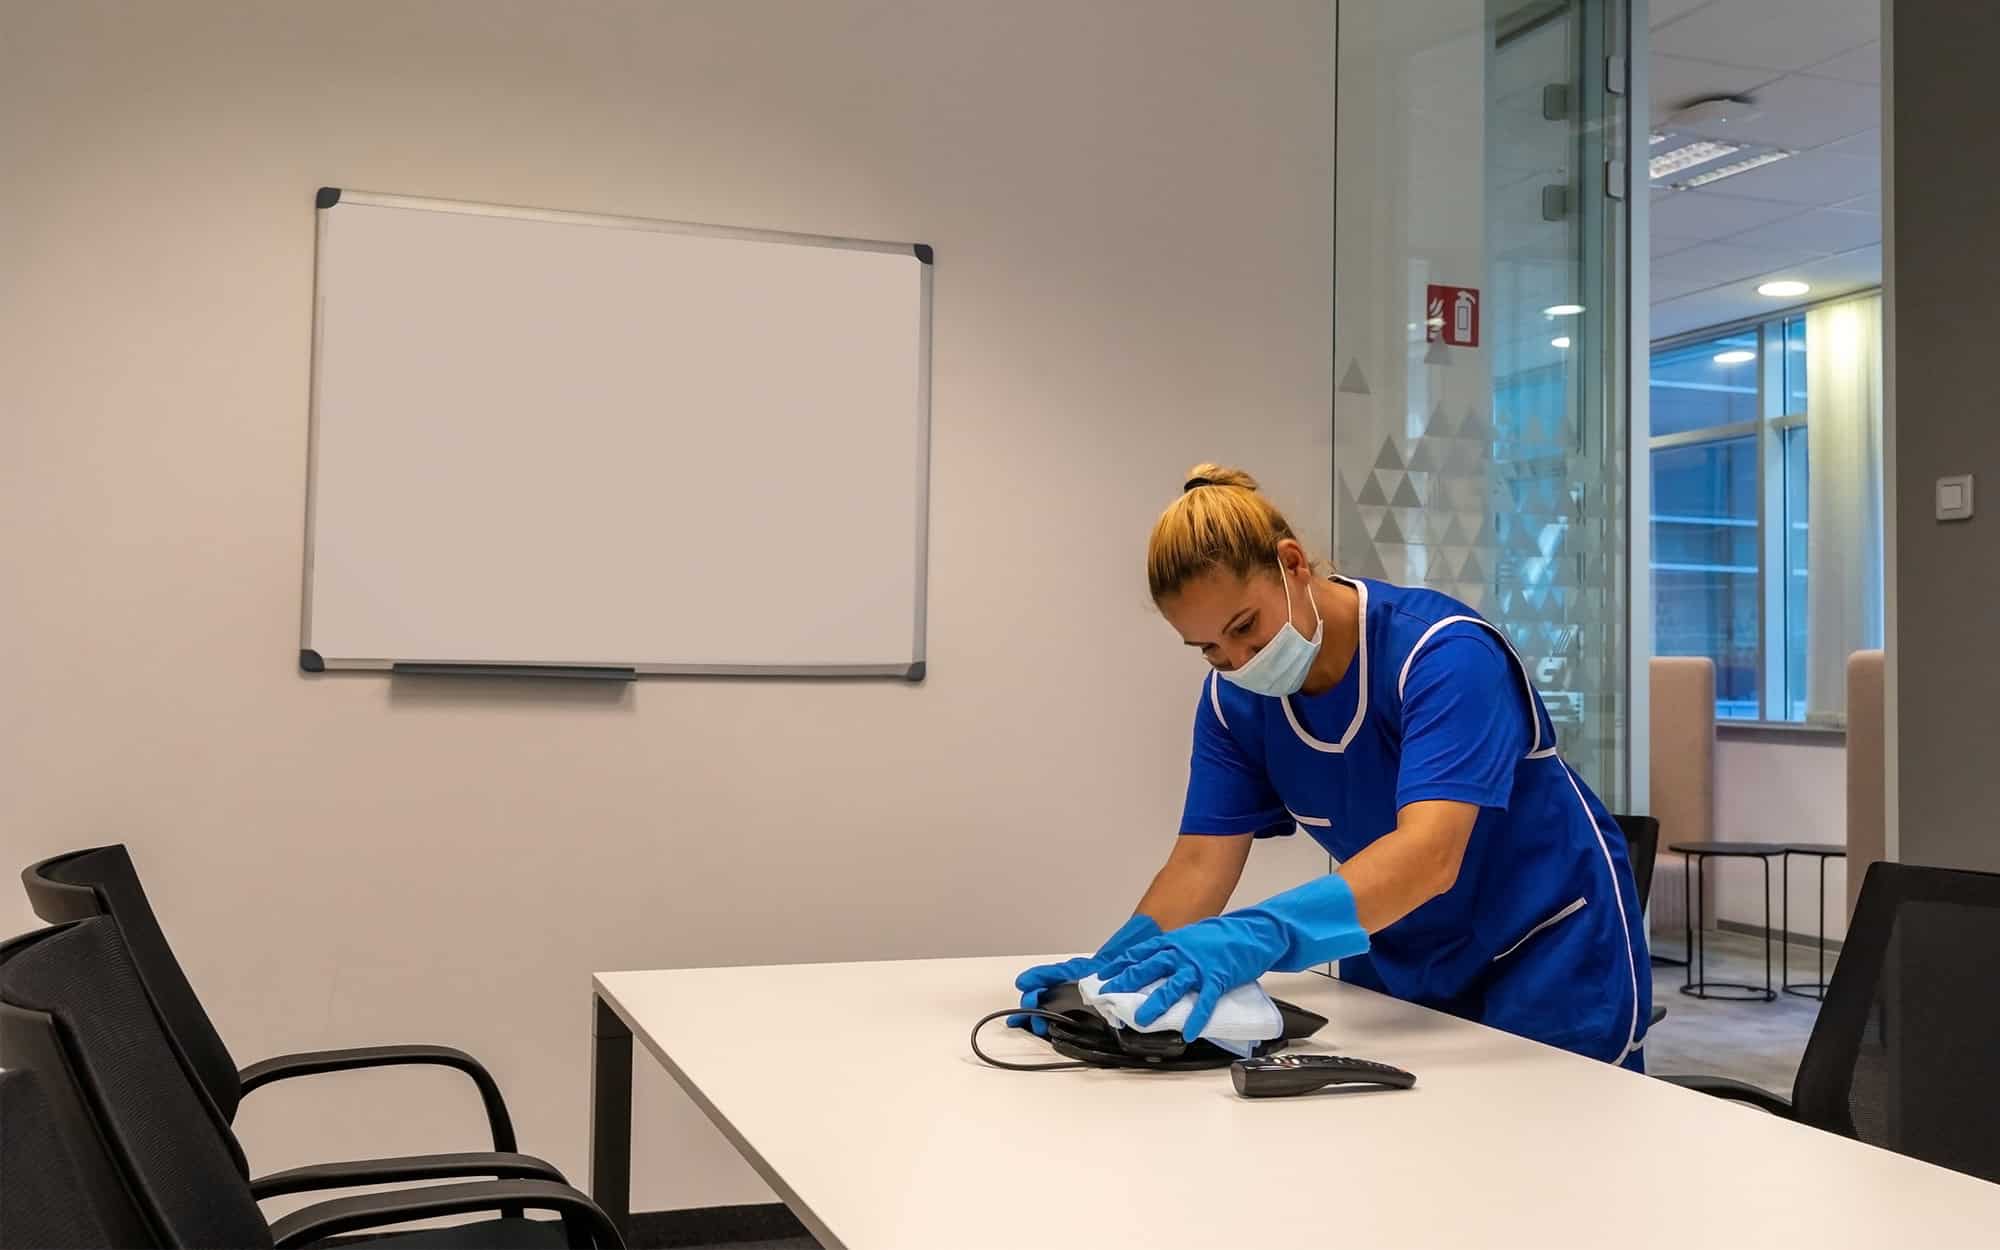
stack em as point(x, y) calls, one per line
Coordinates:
point(1465, 722)
point(1228, 791)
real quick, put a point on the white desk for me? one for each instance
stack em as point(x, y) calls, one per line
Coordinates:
point(879, 1129)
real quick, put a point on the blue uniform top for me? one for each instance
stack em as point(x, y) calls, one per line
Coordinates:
point(1542, 933)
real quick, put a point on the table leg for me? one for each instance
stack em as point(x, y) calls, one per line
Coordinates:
point(611, 1114)
point(1822, 927)
point(1769, 993)
point(1814, 989)
point(1687, 918)
point(1785, 928)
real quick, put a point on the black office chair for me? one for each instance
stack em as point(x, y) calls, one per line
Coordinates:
point(149, 1158)
point(43, 1200)
point(1642, 847)
point(102, 882)
point(1902, 1055)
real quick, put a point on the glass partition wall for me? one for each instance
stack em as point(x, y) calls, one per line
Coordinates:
point(1481, 329)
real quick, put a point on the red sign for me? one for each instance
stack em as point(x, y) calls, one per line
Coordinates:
point(1452, 315)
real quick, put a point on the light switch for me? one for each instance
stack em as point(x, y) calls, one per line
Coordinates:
point(1954, 498)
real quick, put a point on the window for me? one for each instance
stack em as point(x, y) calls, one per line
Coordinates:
point(1729, 463)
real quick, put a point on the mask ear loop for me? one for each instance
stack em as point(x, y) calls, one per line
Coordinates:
point(1319, 622)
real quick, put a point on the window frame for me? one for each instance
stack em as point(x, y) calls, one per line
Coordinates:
point(1769, 429)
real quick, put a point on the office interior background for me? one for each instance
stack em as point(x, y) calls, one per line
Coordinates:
point(1721, 370)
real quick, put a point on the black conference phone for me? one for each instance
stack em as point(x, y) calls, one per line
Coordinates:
point(1085, 1039)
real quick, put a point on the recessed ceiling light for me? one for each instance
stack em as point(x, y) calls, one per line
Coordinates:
point(1560, 343)
point(1688, 155)
point(1562, 310)
point(1734, 358)
point(1784, 289)
point(1745, 165)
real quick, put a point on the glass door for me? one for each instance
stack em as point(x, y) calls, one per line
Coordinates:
point(1480, 323)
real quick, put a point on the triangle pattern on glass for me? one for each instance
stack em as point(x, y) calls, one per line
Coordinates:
point(1439, 426)
point(1346, 517)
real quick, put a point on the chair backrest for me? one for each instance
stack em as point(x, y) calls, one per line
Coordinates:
point(1867, 769)
point(46, 1197)
point(1681, 752)
point(73, 1012)
point(1642, 847)
point(63, 889)
point(1902, 1055)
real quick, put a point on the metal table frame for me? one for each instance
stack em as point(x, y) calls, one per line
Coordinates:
point(1693, 872)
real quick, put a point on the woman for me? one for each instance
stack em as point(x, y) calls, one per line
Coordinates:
point(1478, 875)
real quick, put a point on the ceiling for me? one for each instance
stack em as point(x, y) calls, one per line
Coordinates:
point(1813, 71)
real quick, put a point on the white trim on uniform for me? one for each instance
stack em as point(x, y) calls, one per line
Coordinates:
point(1624, 922)
point(1215, 697)
point(1361, 699)
point(1535, 751)
point(1564, 914)
point(1320, 822)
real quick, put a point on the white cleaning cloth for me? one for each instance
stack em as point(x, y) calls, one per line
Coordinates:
point(1243, 1017)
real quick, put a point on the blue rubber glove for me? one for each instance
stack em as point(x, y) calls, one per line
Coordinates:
point(1309, 924)
point(1043, 977)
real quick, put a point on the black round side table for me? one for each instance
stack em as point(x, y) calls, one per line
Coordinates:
point(1695, 856)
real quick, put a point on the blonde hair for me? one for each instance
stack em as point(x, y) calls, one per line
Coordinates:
point(1221, 520)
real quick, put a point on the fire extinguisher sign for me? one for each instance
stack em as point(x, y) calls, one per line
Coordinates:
point(1452, 315)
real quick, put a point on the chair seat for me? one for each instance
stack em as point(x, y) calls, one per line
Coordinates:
point(521, 1234)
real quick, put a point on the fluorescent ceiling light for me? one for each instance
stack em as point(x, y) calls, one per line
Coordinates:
point(1784, 289)
point(1562, 310)
point(1561, 344)
point(1688, 155)
point(1734, 358)
point(1730, 170)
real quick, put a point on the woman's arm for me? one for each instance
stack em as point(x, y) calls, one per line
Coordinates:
point(1408, 867)
point(1200, 875)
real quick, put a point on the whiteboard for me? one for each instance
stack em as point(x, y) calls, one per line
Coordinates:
point(556, 443)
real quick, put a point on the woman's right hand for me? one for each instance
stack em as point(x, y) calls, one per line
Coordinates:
point(1042, 978)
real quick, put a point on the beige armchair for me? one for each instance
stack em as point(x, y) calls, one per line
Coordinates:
point(1867, 770)
point(1682, 770)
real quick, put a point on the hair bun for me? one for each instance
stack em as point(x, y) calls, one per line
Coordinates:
point(1217, 475)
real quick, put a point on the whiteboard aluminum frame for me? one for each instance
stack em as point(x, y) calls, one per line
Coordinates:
point(310, 658)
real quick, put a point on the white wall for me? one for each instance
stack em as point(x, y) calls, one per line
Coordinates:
point(1131, 205)
point(1779, 791)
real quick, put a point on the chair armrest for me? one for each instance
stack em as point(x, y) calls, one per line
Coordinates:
point(355, 1173)
point(587, 1224)
point(1734, 1091)
point(315, 1062)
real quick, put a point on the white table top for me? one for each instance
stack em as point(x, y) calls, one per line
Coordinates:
point(874, 1122)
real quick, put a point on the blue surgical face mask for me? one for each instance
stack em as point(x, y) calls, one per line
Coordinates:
point(1280, 668)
